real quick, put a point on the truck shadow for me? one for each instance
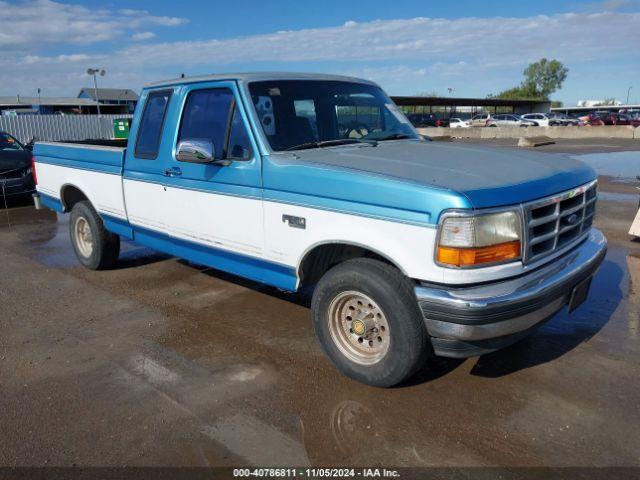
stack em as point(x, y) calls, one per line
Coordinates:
point(554, 339)
point(302, 297)
point(132, 256)
point(564, 332)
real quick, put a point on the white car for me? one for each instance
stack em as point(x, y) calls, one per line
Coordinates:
point(541, 119)
point(508, 120)
point(458, 123)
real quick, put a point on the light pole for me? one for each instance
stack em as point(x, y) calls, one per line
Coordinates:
point(39, 103)
point(93, 72)
point(628, 92)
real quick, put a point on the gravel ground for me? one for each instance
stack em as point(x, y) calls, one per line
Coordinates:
point(164, 363)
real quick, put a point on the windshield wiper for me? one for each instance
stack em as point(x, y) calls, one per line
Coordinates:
point(395, 136)
point(330, 143)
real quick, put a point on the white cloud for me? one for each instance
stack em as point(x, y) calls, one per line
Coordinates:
point(495, 41)
point(35, 23)
point(486, 52)
point(143, 36)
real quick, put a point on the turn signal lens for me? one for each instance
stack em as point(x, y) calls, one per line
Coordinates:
point(464, 257)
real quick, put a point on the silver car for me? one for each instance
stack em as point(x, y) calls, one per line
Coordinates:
point(509, 120)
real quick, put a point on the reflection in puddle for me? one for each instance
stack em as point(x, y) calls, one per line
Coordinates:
point(48, 233)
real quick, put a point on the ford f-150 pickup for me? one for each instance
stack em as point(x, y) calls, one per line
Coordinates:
point(320, 184)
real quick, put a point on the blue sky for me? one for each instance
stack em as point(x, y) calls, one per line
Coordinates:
point(408, 46)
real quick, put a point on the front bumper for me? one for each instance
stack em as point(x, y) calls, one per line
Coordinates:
point(470, 321)
point(17, 186)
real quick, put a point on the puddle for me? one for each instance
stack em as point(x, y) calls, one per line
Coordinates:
point(48, 233)
point(617, 197)
point(622, 165)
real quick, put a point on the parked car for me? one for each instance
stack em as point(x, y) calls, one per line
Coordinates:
point(612, 118)
point(443, 122)
point(565, 119)
point(480, 120)
point(456, 122)
point(408, 248)
point(592, 119)
point(631, 113)
point(16, 175)
point(508, 120)
point(541, 119)
point(423, 120)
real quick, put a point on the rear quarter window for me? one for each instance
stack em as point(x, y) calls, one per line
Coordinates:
point(150, 129)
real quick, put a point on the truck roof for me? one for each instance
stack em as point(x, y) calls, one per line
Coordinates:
point(257, 76)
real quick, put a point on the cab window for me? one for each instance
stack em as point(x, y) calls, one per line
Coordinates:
point(212, 114)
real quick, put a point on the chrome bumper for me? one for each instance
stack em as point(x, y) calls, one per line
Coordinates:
point(470, 321)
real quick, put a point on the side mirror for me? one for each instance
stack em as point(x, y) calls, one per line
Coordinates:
point(196, 151)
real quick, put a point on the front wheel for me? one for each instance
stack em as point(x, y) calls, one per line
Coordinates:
point(95, 247)
point(367, 320)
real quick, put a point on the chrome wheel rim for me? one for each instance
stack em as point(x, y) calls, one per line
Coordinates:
point(359, 327)
point(83, 237)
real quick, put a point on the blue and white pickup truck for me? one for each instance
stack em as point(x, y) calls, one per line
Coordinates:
point(319, 183)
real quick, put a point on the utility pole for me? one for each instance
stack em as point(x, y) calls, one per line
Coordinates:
point(628, 92)
point(93, 72)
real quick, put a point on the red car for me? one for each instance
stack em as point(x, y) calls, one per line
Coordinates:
point(592, 119)
point(619, 119)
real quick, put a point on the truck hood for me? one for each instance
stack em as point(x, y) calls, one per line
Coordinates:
point(487, 176)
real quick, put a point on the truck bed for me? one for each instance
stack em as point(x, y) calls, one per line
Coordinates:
point(105, 156)
point(93, 171)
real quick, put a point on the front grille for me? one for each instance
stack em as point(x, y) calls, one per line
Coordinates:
point(557, 222)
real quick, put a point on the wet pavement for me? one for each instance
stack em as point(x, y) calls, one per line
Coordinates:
point(161, 362)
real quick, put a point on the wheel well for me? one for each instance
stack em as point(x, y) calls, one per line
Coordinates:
point(70, 196)
point(323, 257)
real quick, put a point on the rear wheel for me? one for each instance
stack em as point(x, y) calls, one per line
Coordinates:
point(367, 320)
point(95, 247)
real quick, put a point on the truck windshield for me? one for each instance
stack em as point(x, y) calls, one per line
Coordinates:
point(314, 113)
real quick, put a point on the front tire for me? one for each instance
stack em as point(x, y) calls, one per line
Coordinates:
point(95, 247)
point(368, 322)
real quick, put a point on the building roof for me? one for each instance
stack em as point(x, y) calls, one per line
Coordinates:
point(19, 101)
point(257, 76)
point(121, 94)
point(476, 102)
point(597, 107)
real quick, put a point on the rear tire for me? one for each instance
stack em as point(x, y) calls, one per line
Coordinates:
point(368, 322)
point(95, 246)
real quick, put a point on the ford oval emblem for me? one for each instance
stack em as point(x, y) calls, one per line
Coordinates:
point(572, 219)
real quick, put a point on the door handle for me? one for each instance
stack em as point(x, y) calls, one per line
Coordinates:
point(172, 172)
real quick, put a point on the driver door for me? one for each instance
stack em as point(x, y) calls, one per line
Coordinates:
point(218, 205)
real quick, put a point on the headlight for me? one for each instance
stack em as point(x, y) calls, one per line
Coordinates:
point(471, 240)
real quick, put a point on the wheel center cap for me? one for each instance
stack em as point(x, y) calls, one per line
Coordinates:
point(358, 327)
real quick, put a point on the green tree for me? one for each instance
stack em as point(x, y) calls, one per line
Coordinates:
point(545, 76)
point(541, 79)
